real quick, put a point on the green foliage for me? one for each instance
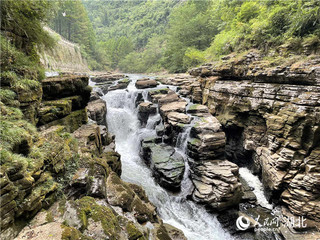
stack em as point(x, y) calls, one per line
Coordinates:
point(22, 22)
point(148, 60)
point(129, 32)
point(115, 49)
point(266, 25)
point(193, 57)
point(15, 64)
point(8, 97)
point(70, 19)
point(190, 26)
point(136, 20)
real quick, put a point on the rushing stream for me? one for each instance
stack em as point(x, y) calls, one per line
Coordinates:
point(174, 209)
point(192, 219)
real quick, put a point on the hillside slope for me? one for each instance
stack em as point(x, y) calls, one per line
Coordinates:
point(65, 56)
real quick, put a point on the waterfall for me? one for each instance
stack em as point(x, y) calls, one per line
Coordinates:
point(181, 147)
point(191, 218)
point(254, 182)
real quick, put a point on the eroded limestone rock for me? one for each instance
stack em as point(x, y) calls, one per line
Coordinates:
point(167, 164)
point(146, 83)
point(216, 183)
point(97, 111)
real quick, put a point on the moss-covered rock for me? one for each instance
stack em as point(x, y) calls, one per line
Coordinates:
point(120, 194)
point(72, 121)
point(133, 232)
point(53, 110)
point(87, 208)
point(66, 86)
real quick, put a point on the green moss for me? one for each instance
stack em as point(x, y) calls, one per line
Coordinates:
point(53, 110)
point(195, 141)
point(49, 217)
point(73, 121)
point(62, 206)
point(162, 234)
point(88, 208)
point(133, 232)
point(159, 91)
point(126, 80)
point(8, 97)
point(70, 233)
point(194, 106)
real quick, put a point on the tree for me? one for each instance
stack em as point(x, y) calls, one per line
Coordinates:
point(22, 23)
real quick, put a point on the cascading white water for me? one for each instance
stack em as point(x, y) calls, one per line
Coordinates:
point(192, 219)
point(181, 147)
point(254, 182)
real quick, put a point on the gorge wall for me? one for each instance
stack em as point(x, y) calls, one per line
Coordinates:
point(271, 117)
point(62, 180)
point(65, 56)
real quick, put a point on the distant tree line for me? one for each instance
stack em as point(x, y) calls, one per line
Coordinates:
point(176, 35)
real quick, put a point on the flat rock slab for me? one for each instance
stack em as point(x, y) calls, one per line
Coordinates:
point(173, 107)
point(121, 84)
point(198, 109)
point(175, 118)
point(107, 77)
point(49, 231)
point(146, 83)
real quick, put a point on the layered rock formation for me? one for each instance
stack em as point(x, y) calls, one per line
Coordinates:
point(64, 102)
point(82, 166)
point(166, 163)
point(110, 81)
point(216, 180)
point(272, 120)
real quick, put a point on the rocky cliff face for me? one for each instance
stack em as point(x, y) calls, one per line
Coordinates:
point(65, 56)
point(71, 158)
point(271, 117)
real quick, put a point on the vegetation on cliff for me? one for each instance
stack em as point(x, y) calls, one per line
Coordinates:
point(177, 35)
point(70, 19)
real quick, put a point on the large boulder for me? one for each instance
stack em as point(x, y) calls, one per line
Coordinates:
point(146, 83)
point(166, 163)
point(145, 109)
point(97, 111)
point(207, 139)
point(216, 183)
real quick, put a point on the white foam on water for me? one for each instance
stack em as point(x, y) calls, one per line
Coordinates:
point(254, 182)
point(191, 218)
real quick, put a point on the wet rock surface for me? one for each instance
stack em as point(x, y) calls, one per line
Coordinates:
point(275, 115)
point(145, 109)
point(121, 84)
point(166, 164)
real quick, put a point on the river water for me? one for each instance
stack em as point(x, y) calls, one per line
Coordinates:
point(174, 209)
point(191, 218)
